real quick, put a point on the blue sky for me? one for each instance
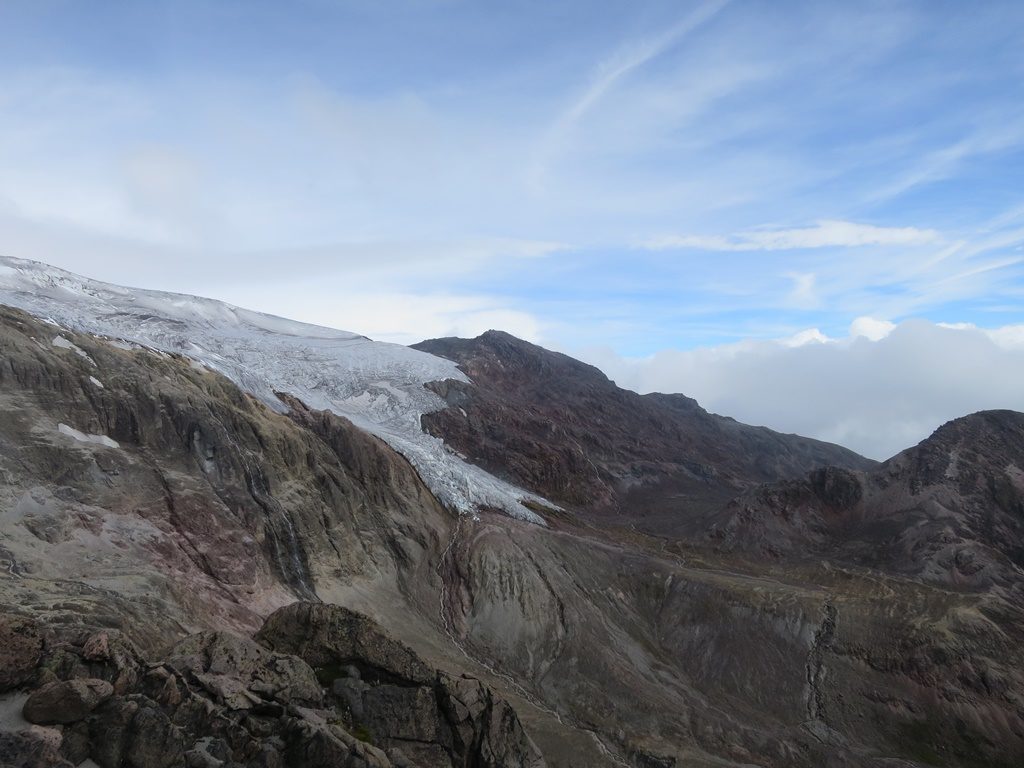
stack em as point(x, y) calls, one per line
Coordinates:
point(615, 179)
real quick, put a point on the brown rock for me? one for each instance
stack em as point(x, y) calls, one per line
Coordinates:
point(21, 646)
point(97, 647)
point(66, 701)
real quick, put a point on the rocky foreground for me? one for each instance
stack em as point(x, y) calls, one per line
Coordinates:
point(319, 686)
point(191, 578)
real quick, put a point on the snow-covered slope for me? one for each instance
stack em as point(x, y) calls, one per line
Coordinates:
point(378, 386)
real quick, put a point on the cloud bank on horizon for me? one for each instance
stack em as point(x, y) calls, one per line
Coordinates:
point(676, 182)
point(879, 389)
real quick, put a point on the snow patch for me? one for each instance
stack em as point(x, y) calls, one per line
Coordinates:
point(62, 343)
point(82, 437)
point(953, 468)
point(378, 386)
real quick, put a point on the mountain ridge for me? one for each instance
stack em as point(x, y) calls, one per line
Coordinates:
point(613, 449)
point(950, 509)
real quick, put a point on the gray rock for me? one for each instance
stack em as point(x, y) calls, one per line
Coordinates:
point(154, 741)
point(327, 636)
point(109, 731)
point(350, 691)
point(74, 746)
point(239, 672)
point(398, 758)
point(28, 750)
point(403, 712)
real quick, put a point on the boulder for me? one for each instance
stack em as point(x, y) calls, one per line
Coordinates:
point(154, 742)
point(21, 647)
point(239, 672)
point(28, 749)
point(333, 638)
point(97, 647)
point(405, 713)
point(133, 732)
point(109, 731)
point(75, 744)
point(66, 701)
point(397, 701)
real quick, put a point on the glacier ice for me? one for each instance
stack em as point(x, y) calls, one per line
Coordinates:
point(378, 386)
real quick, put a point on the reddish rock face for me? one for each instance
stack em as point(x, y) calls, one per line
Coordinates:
point(561, 428)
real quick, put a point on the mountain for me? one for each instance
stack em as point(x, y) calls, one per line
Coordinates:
point(562, 429)
point(949, 510)
point(233, 560)
point(377, 386)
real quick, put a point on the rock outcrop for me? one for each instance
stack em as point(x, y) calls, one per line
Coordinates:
point(410, 709)
point(219, 699)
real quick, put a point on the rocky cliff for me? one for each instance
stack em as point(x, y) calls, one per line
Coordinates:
point(347, 695)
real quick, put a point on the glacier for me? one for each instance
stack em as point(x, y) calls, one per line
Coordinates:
point(377, 385)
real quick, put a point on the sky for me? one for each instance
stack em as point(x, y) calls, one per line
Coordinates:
point(806, 215)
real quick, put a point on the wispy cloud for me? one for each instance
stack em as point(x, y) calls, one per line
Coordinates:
point(786, 155)
point(996, 134)
point(630, 56)
point(824, 234)
point(608, 73)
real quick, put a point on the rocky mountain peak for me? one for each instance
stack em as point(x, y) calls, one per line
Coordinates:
point(562, 429)
point(518, 363)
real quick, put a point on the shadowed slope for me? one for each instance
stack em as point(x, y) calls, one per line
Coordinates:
point(561, 428)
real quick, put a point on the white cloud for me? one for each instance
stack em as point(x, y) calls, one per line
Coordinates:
point(810, 336)
point(882, 389)
point(824, 234)
point(1009, 336)
point(397, 316)
point(803, 293)
point(871, 328)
